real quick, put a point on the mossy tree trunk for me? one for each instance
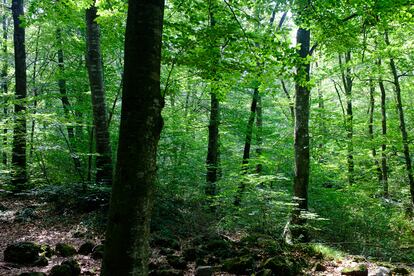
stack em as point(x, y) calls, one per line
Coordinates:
point(126, 243)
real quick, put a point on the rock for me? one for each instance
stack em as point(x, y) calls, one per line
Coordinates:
point(167, 272)
point(22, 253)
point(382, 271)
point(26, 214)
point(47, 251)
point(177, 262)
point(32, 274)
point(164, 242)
point(281, 266)
point(98, 252)
point(86, 248)
point(67, 268)
point(400, 271)
point(41, 261)
point(205, 270)
point(193, 253)
point(320, 267)
point(239, 265)
point(219, 248)
point(360, 270)
point(65, 250)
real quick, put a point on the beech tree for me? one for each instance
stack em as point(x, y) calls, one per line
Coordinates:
point(127, 235)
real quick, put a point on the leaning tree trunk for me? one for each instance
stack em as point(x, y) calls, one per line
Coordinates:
point(403, 128)
point(126, 243)
point(348, 83)
point(4, 81)
point(371, 128)
point(302, 154)
point(384, 166)
point(100, 117)
point(247, 146)
point(20, 129)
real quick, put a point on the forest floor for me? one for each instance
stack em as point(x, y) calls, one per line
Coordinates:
point(27, 219)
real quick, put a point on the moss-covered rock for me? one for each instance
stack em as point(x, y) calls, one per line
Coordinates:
point(32, 274)
point(282, 266)
point(41, 261)
point(177, 262)
point(67, 268)
point(359, 270)
point(46, 250)
point(400, 271)
point(65, 250)
point(86, 248)
point(22, 253)
point(239, 265)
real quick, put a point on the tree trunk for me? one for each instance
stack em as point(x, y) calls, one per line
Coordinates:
point(302, 154)
point(100, 117)
point(4, 81)
point(371, 128)
point(384, 166)
point(20, 129)
point(259, 133)
point(66, 105)
point(247, 146)
point(348, 83)
point(126, 243)
point(213, 147)
point(403, 128)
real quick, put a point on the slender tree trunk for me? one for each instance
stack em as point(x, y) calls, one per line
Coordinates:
point(213, 146)
point(302, 153)
point(348, 83)
point(259, 133)
point(247, 146)
point(403, 128)
point(100, 117)
point(4, 82)
point(20, 129)
point(384, 166)
point(35, 94)
point(66, 105)
point(371, 128)
point(127, 236)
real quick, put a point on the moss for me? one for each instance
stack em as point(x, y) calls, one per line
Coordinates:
point(65, 250)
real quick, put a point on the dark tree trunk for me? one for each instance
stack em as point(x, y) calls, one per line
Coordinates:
point(66, 105)
point(126, 243)
point(302, 154)
point(259, 133)
point(4, 81)
point(212, 160)
point(20, 129)
point(35, 94)
point(403, 129)
point(348, 83)
point(247, 146)
point(371, 128)
point(384, 166)
point(100, 117)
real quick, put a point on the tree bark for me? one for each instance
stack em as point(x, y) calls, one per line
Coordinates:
point(384, 166)
point(247, 146)
point(20, 129)
point(348, 83)
point(301, 135)
point(403, 129)
point(212, 160)
point(371, 128)
point(126, 243)
point(4, 81)
point(100, 116)
point(66, 105)
point(259, 133)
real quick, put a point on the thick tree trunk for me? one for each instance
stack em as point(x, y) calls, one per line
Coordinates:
point(20, 129)
point(371, 128)
point(100, 117)
point(302, 154)
point(4, 82)
point(384, 166)
point(247, 146)
point(66, 105)
point(126, 243)
point(403, 129)
point(348, 83)
point(212, 160)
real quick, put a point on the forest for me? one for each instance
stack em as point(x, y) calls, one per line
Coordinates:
point(206, 137)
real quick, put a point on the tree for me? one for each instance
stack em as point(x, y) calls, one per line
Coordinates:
point(126, 243)
point(96, 81)
point(20, 130)
point(4, 81)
